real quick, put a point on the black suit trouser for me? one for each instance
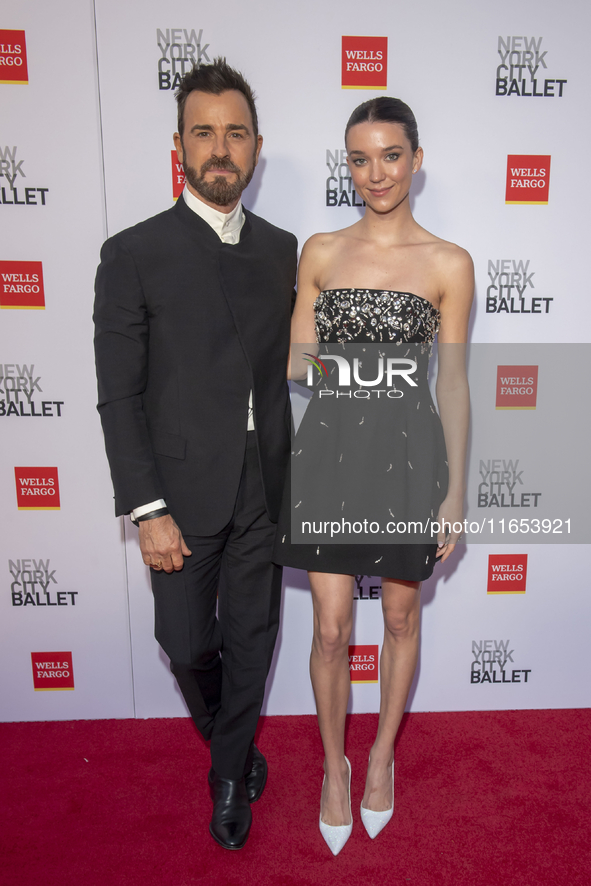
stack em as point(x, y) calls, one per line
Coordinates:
point(221, 661)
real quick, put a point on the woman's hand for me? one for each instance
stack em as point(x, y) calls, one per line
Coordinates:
point(451, 513)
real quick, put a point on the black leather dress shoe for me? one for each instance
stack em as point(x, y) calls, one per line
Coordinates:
point(257, 777)
point(231, 819)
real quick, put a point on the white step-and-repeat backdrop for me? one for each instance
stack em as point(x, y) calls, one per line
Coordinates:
point(501, 95)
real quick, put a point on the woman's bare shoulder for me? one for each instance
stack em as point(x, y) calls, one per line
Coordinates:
point(328, 240)
point(451, 252)
point(456, 262)
point(321, 252)
point(448, 256)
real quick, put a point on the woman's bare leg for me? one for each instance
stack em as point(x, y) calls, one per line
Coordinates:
point(329, 669)
point(398, 661)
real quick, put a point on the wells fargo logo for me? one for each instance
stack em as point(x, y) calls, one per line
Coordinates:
point(364, 63)
point(507, 573)
point(517, 387)
point(13, 57)
point(37, 489)
point(21, 285)
point(528, 178)
point(52, 671)
point(363, 664)
point(178, 176)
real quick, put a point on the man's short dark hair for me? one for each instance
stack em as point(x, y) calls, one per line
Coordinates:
point(215, 78)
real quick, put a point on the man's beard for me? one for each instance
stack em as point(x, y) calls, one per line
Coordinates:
point(219, 191)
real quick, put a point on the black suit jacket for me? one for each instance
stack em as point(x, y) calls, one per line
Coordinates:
point(186, 326)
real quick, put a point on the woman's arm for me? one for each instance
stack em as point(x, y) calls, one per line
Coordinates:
point(453, 398)
point(303, 326)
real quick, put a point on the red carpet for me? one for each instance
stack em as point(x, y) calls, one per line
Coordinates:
point(482, 799)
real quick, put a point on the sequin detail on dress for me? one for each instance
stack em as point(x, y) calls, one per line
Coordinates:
point(344, 315)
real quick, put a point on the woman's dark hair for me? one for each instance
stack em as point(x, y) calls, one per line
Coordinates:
point(386, 110)
point(215, 78)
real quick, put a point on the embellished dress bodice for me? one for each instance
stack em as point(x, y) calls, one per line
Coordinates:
point(374, 315)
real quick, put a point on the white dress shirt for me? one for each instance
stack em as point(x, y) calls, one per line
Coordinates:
point(227, 226)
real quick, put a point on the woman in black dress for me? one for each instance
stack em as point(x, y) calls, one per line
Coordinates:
point(384, 279)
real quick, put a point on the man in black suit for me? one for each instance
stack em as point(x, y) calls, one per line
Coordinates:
point(192, 320)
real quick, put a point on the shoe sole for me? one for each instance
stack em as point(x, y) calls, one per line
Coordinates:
point(225, 845)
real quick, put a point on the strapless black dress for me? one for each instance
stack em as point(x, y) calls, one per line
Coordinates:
point(385, 463)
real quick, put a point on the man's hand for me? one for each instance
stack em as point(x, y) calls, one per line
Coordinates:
point(162, 545)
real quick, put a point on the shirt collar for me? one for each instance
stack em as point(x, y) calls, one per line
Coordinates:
point(225, 224)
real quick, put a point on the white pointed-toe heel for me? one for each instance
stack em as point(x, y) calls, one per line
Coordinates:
point(336, 836)
point(374, 822)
